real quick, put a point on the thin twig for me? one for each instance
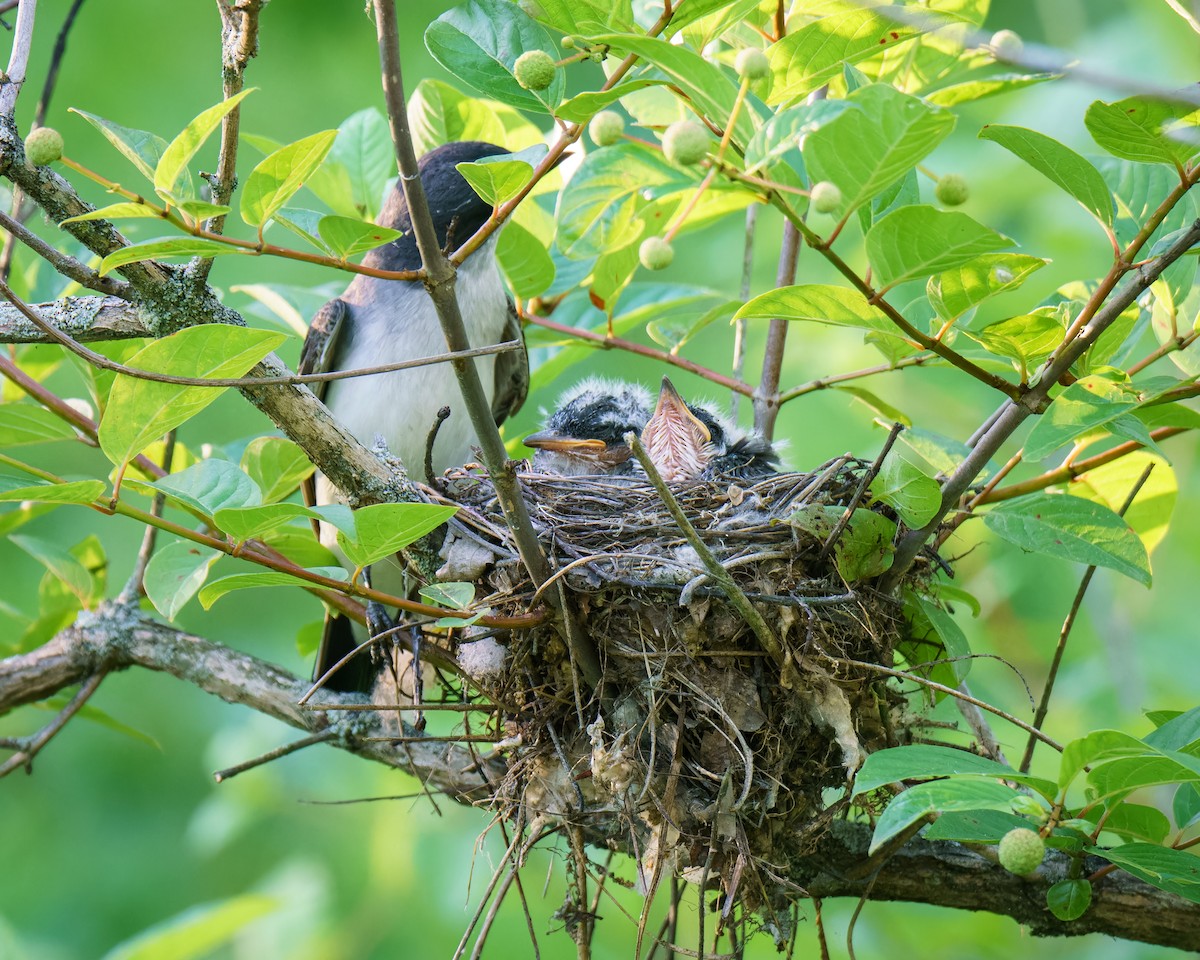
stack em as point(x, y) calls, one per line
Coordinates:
point(766, 399)
point(66, 266)
point(134, 586)
point(18, 60)
point(738, 367)
point(288, 748)
point(439, 282)
point(733, 593)
point(1044, 703)
point(31, 746)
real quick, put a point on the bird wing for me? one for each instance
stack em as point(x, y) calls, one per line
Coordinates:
point(511, 371)
point(320, 345)
point(316, 356)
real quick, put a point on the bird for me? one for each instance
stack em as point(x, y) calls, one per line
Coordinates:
point(377, 321)
point(585, 434)
point(697, 442)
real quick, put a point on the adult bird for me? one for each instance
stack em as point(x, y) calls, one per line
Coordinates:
point(696, 442)
point(378, 321)
point(585, 434)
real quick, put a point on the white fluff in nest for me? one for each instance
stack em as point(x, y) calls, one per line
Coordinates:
point(482, 658)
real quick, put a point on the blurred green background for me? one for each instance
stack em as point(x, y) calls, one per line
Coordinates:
point(111, 835)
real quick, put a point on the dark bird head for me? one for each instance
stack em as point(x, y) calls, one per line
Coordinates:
point(457, 210)
point(586, 432)
point(677, 441)
point(736, 455)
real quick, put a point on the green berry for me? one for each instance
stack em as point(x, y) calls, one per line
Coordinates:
point(43, 145)
point(752, 64)
point(534, 69)
point(655, 253)
point(606, 128)
point(825, 196)
point(952, 190)
point(685, 143)
point(568, 43)
point(1006, 45)
point(1021, 851)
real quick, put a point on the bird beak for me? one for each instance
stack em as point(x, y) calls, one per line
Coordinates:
point(676, 441)
point(549, 440)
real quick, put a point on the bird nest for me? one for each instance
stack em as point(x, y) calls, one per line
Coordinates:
point(709, 748)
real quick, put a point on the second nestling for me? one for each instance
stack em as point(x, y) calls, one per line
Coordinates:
point(585, 436)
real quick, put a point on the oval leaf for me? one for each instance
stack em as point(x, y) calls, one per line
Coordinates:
point(921, 240)
point(179, 152)
point(175, 573)
point(277, 178)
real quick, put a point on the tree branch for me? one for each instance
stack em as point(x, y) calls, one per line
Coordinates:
point(939, 873)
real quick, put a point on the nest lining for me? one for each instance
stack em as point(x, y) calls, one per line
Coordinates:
point(700, 753)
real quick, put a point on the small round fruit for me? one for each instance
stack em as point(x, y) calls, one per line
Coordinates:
point(952, 190)
point(752, 64)
point(655, 253)
point(685, 143)
point(825, 196)
point(43, 145)
point(568, 43)
point(1021, 851)
point(534, 69)
point(606, 128)
point(1006, 45)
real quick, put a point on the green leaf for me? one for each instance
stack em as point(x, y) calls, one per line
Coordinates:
point(1061, 165)
point(819, 303)
point(174, 574)
point(60, 563)
point(168, 247)
point(971, 90)
point(915, 496)
point(868, 147)
point(211, 485)
point(22, 423)
point(480, 40)
point(245, 523)
point(139, 147)
point(278, 177)
point(597, 210)
point(707, 88)
point(786, 130)
point(1131, 821)
point(297, 543)
point(74, 491)
point(245, 581)
point(956, 291)
point(1069, 899)
point(1110, 484)
point(139, 411)
point(196, 932)
point(974, 826)
point(117, 211)
point(1071, 528)
point(384, 528)
point(500, 178)
point(1185, 806)
point(1085, 405)
point(814, 54)
point(938, 796)
point(1181, 732)
point(525, 261)
point(348, 237)
point(865, 547)
point(1098, 747)
point(1118, 778)
point(921, 240)
point(456, 596)
point(1172, 870)
point(582, 107)
point(365, 159)
point(1026, 340)
point(203, 210)
point(276, 465)
point(1138, 128)
point(916, 761)
point(440, 114)
point(179, 152)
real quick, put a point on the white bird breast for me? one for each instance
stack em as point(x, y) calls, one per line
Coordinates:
point(401, 406)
